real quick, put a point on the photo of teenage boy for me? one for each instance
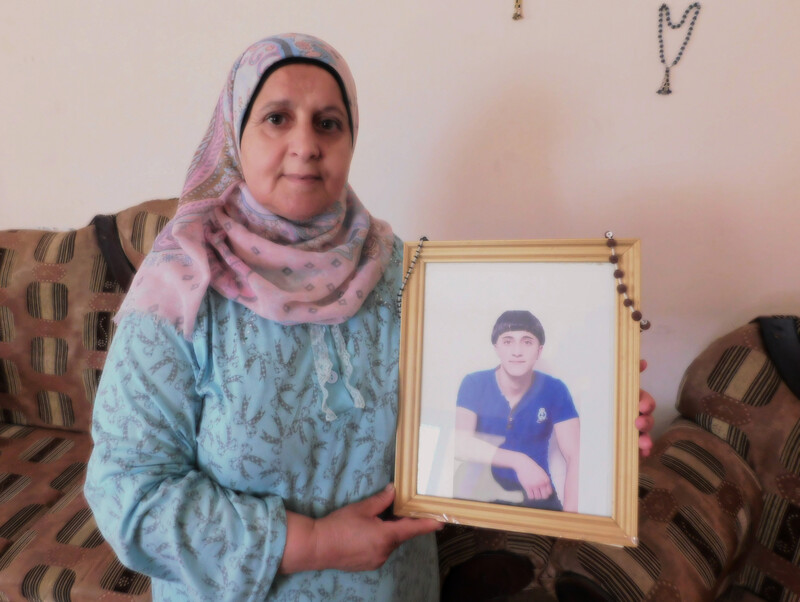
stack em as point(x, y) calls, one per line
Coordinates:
point(505, 419)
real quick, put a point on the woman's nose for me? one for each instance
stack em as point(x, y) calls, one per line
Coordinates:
point(304, 143)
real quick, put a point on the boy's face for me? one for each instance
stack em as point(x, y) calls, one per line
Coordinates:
point(518, 351)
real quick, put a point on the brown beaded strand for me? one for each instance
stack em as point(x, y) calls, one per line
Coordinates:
point(622, 288)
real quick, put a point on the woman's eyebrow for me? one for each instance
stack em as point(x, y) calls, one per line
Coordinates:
point(333, 108)
point(275, 104)
point(283, 104)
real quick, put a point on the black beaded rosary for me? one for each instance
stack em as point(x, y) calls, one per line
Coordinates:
point(664, 15)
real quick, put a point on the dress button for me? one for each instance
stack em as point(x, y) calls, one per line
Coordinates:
point(332, 377)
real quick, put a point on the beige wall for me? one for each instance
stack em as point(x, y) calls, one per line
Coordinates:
point(473, 126)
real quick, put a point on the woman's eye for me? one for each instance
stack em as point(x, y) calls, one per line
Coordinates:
point(330, 124)
point(275, 119)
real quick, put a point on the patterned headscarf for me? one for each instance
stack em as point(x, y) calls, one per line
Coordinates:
point(319, 271)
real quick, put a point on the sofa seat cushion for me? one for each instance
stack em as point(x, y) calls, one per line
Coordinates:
point(50, 547)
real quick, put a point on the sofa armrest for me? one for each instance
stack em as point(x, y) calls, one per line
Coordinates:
point(698, 504)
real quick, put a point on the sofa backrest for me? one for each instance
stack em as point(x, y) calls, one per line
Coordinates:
point(58, 298)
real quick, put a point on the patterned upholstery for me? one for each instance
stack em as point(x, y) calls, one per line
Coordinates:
point(697, 504)
point(733, 390)
point(58, 297)
point(139, 225)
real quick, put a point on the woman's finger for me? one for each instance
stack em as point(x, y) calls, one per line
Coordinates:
point(645, 445)
point(376, 504)
point(406, 528)
point(646, 402)
point(644, 423)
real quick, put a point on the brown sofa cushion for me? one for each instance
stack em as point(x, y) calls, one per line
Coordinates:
point(57, 301)
point(734, 391)
point(58, 298)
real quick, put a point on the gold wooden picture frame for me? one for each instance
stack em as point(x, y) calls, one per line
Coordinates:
point(453, 307)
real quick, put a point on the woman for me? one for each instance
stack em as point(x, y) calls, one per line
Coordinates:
point(244, 426)
point(505, 418)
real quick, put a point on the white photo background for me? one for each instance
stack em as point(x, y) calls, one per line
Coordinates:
point(576, 303)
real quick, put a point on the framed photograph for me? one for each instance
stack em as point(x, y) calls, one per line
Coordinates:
point(519, 387)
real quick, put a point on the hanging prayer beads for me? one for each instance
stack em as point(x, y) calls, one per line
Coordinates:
point(664, 15)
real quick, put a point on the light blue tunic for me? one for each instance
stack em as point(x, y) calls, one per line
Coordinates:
point(201, 446)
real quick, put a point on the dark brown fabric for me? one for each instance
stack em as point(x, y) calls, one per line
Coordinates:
point(487, 576)
point(111, 248)
point(738, 594)
point(521, 555)
point(781, 336)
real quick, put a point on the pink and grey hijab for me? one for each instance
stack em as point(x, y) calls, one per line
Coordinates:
point(317, 272)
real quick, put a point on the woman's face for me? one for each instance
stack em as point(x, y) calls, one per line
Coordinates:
point(296, 145)
point(518, 351)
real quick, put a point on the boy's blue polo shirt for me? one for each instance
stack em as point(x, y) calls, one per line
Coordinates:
point(528, 427)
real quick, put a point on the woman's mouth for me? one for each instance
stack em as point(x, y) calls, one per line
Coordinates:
point(302, 177)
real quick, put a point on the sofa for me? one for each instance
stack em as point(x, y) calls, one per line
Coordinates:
point(719, 497)
point(59, 291)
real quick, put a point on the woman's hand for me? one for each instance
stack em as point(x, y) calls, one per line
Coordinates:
point(644, 422)
point(352, 538)
point(532, 477)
